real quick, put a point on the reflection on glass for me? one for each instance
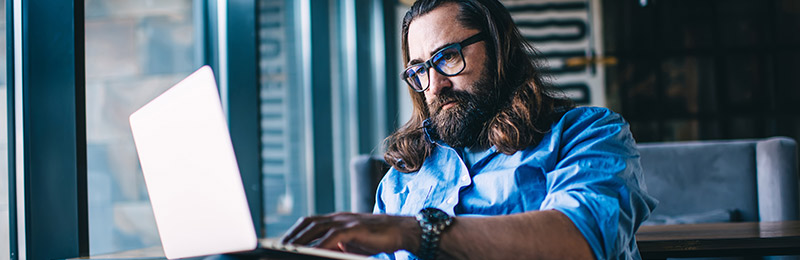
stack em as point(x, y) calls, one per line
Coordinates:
point(134, 51)
point(638, 78)
point(282, 142)
point(4, 243)
point(687, 81)
point(681, 130)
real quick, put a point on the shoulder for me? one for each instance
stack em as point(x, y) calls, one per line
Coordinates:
point(580, 119)
point(592, 124)
point(589, 114)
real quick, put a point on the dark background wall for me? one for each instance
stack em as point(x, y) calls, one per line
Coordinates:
point(702, 69)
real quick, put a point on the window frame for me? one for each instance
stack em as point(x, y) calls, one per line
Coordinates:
point(53, 142)
point(244, 114)
point(10, 126)
point(54, 207)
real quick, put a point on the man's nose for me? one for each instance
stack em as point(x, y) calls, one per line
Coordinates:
point(438, 82)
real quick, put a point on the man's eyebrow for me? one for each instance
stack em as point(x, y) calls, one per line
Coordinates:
point(434, 51)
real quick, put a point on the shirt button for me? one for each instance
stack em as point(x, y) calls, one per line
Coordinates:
point(465, 179)
point(451, 200)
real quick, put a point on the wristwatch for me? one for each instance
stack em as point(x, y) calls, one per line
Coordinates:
point(433, 222)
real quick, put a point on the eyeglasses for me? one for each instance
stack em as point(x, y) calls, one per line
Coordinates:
point(448, 61)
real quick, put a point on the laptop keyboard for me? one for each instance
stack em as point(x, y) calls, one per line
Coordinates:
point(275, 244)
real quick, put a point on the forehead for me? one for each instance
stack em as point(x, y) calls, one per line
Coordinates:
point(435, 29)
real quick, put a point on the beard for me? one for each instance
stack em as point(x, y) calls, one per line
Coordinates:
point(461, 125)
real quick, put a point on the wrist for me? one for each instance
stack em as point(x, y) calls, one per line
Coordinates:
point(432, 222)
point(411, 233)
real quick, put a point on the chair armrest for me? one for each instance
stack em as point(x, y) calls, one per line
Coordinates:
point(777, 178)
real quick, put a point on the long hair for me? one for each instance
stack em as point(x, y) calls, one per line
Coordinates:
point(530, 102)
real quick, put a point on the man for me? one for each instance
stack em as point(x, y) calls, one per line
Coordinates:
point(488, 139)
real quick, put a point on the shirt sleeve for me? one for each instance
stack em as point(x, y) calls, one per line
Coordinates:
point(597, 181)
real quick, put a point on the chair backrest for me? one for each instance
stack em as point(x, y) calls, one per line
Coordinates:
point(699, 181)
point(365, 174)
point(716, 181)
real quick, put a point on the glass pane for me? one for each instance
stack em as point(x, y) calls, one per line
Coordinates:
point(4, 243)
point(134, 51)
point(638, 81)
point(282, 118)
point(688, 85)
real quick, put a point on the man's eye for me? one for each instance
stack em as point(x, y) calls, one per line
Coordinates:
point(448, 56)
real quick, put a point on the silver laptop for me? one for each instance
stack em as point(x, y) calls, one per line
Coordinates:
point(193, 179)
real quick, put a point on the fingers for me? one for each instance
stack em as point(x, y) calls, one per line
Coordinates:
point(298, 226)
point(355, 248)
point(308, 229)
point(346, 241)
point(334, 236)
point(355, 233)
point(360, 237)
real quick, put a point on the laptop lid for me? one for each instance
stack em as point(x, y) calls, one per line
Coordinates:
point(191, 172)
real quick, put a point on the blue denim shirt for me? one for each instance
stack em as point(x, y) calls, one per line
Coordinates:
point(586, 167)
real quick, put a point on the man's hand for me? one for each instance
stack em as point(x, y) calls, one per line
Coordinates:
point(366, 234)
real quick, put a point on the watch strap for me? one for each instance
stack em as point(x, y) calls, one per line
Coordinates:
point(433, 222)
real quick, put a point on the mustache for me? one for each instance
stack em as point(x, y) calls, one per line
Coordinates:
point(461, 97)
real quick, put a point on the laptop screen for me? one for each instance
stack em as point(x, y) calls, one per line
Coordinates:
point(190, 170)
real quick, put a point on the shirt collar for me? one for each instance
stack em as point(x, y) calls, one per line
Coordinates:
point(426, 127)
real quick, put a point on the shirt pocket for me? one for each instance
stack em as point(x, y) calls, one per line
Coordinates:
point(492, 192)
point(532, 185)
point(410, 200)
point(419, 198)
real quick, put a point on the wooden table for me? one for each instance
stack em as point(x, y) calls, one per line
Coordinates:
point(660, 242)
point(719, 239)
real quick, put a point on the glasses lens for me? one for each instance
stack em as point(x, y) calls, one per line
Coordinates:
point(416, 76)
point(449, 61)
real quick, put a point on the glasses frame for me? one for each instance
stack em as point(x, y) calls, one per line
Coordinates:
point(429, 63)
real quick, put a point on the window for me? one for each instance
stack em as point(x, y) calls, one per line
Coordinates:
point(283, 124)
point(127, 52)
point(323, 66)
point(134, 51)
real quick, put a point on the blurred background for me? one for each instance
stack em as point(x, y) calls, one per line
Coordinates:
point(328, 85)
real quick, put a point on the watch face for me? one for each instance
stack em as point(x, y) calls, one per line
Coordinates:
point(434, 215)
